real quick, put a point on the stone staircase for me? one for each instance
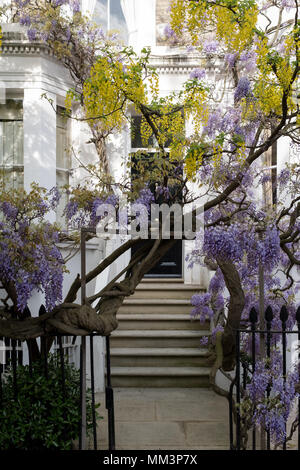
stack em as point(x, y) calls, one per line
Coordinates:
point(157, 344)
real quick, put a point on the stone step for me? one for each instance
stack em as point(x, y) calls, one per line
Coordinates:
point(166, 357)
point(157, 338)
point(160, 376)
point(166, 290)
point(157, 343)
point(159, 321)
point(156, 305)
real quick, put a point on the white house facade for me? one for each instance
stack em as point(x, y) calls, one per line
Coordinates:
point(30, 126)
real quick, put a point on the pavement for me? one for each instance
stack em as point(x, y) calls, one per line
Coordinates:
point(166, 419)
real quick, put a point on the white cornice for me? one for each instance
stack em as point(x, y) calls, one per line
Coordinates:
point(183, 64)
point(16, 44)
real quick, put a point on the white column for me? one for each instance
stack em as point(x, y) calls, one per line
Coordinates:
point(39, 139)
point(39, 152)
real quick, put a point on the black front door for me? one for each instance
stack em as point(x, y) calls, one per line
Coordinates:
point(170, 264)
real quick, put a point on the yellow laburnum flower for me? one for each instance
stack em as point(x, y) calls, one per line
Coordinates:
point(193, 162)
point(232, 26)
point(109, 88)
point(241, 153)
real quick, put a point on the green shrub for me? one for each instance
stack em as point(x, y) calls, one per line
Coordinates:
point(40, 417)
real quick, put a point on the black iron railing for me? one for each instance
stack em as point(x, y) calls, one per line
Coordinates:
point(260, 343)
point(15, 358)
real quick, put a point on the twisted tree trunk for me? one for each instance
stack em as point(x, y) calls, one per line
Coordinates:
point(74, 319)
point(235, 308)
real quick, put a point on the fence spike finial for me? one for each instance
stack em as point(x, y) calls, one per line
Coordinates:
point(42, 310)
point(26, 312)
point(253, 315)
point(284, 314)
point(269, 314)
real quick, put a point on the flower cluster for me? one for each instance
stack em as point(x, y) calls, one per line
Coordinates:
point(202, 307)
point(29, 257)
point(271, 396)
point(198, 73)
point(243, 89)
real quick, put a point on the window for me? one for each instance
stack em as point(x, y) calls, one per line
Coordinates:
point(11, 144)
point(109, 15)
point(63, 160)
point(145, 152)
point(9, 348)
point(270, 170)
point(136, 137)
point(68, 347)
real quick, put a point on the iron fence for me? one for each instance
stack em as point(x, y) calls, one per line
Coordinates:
point(261, 339)
point(17, 353)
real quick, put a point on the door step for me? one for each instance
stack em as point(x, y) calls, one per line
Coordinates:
point(168, 357)
point(159, 321)
point(157, 343)
point(160, 377)
point(155, 305)
point(157, 338)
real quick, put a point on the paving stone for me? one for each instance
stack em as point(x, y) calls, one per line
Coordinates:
point(140, 434)
point(166, 419)
point(127, 411)
point(177, 410)
point(210, 434)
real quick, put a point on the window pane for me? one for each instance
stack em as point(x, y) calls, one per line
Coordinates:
point(18, 143)
point(12, 178)
point(62, 141)
point(116, 19)
point(12, 110)
point(62, 178)
point(11, 144)
point(63, 160)
point(8, 143)
point(136, 138)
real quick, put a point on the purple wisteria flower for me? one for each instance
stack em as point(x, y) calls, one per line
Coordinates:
point(59, 3)
point(231, 59)
point(272, 411)
point(225, 242)
point(168, 32)
point(146, 198)
point(214, 123)
point(163, 191)
point(243, 89)
point(201, 304)
point(9, 211)
point(71, 209)
point(288, 4)
point(210, 47)
point(25, 20)
point(32, 34)
point(76, 6)
point(283, 177)
point(197, 73)
point(248, 60)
